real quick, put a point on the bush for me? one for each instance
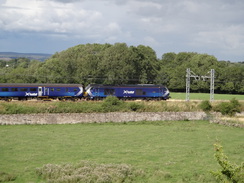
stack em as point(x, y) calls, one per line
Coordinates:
point(205, 106)
point(111, 104)
point(112, 100)
point(133, 106)
point(229, 172)
point(229, 108)
point(236, 104)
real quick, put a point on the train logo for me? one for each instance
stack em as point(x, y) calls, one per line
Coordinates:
point(128, 92)
point(28, 94)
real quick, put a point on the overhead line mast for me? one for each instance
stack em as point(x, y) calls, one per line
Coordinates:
point(190, 74)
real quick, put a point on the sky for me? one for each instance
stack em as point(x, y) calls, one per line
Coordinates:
point(214, 27)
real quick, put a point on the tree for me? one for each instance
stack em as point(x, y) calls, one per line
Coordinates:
point(120, 64)
point(117, 66)
point(148, 66)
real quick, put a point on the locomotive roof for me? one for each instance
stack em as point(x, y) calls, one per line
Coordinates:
point(38, 84)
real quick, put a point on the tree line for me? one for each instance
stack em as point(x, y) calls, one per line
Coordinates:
point(121, 64)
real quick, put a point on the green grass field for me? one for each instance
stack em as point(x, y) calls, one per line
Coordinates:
point(179, 151)
point(205, 96)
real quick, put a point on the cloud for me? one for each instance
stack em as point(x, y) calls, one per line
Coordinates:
point(42, 16)
point(66, 1)
point(215, 27)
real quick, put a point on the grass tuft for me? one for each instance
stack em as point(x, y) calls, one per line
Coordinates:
point(7, 177)
point(86, 171)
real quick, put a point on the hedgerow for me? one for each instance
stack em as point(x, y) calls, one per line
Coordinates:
point(113, 104)
point(229, 108)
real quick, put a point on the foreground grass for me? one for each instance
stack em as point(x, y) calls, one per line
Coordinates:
point(165, 151)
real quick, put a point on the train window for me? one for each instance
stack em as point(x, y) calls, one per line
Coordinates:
point(52, 89)
point(58, 89)
point(164, 89)
point(14, 89)
point(140, 92)
point(33, 89)
point(109, 92)
point(23, 89)
point(4, 89)
point(75, 90)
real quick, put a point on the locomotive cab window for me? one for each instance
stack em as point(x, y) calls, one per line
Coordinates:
point(109, 92)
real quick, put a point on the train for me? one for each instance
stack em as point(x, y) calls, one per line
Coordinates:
point(74, 92)
point(128, 92)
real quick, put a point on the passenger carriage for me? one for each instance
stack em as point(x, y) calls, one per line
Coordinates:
point(40, 91)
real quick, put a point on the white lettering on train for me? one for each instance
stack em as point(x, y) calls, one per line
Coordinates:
point(30, 94)
point(128, 92)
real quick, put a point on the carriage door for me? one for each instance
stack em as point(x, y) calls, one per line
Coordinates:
point(39, 91)
point(96, 92)
point(46, 91)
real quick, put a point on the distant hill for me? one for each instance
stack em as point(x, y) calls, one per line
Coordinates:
point(32, 56)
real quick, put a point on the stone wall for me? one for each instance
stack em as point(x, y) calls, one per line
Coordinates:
point(71, 118)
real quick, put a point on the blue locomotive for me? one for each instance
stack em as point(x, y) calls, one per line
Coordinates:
point(41, 91)
point(140, 91)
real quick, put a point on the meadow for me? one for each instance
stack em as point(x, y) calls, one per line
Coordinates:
point(162, 151)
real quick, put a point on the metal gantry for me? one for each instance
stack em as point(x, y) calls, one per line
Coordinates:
point(190, 74)
point(212, 85)
point(188, 83)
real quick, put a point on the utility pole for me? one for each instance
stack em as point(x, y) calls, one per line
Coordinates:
point(188, 82)
point(212, 85)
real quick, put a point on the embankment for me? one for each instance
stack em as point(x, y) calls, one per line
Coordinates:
point(72, 118)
